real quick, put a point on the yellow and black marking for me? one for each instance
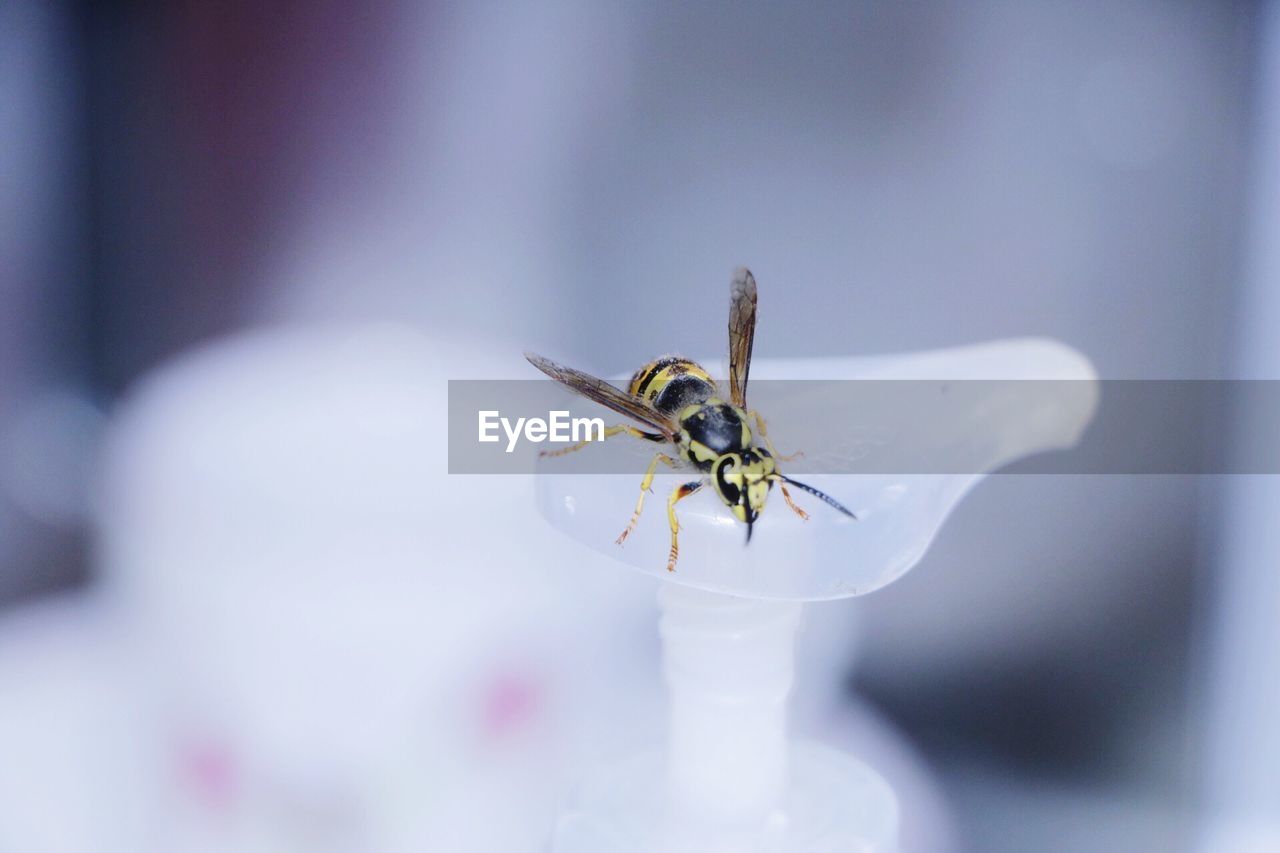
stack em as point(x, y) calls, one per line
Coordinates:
point(711, 429)
point(672, 383)
point(743, 481)
point(677, 399)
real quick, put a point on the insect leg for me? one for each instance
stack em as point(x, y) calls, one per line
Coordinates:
point(679, 494)
point(787, 497)
point(645, 486)
point(764, 433)
point(608, 433)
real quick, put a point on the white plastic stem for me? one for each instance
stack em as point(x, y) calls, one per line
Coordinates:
point(732, 781)
point(729, 665)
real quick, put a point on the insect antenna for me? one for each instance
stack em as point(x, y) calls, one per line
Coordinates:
point(822, 496)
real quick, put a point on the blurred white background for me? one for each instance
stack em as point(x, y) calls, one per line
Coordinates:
point(242, 250)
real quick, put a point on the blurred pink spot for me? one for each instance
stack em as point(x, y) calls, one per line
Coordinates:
point(208, 772)
point(510, 704)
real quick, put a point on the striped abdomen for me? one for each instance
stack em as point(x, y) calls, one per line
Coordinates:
point(671, 384)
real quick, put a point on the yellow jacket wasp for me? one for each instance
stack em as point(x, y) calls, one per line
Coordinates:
point(678, 400)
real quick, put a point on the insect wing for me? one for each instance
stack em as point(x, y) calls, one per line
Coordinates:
point(605, 394)
point(742, 333)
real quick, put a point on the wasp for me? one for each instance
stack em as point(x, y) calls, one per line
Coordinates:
point(677, 402)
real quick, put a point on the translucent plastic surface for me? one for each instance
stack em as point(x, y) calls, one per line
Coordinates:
point(835, 804)
point(831, 556)
point(730, 779)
